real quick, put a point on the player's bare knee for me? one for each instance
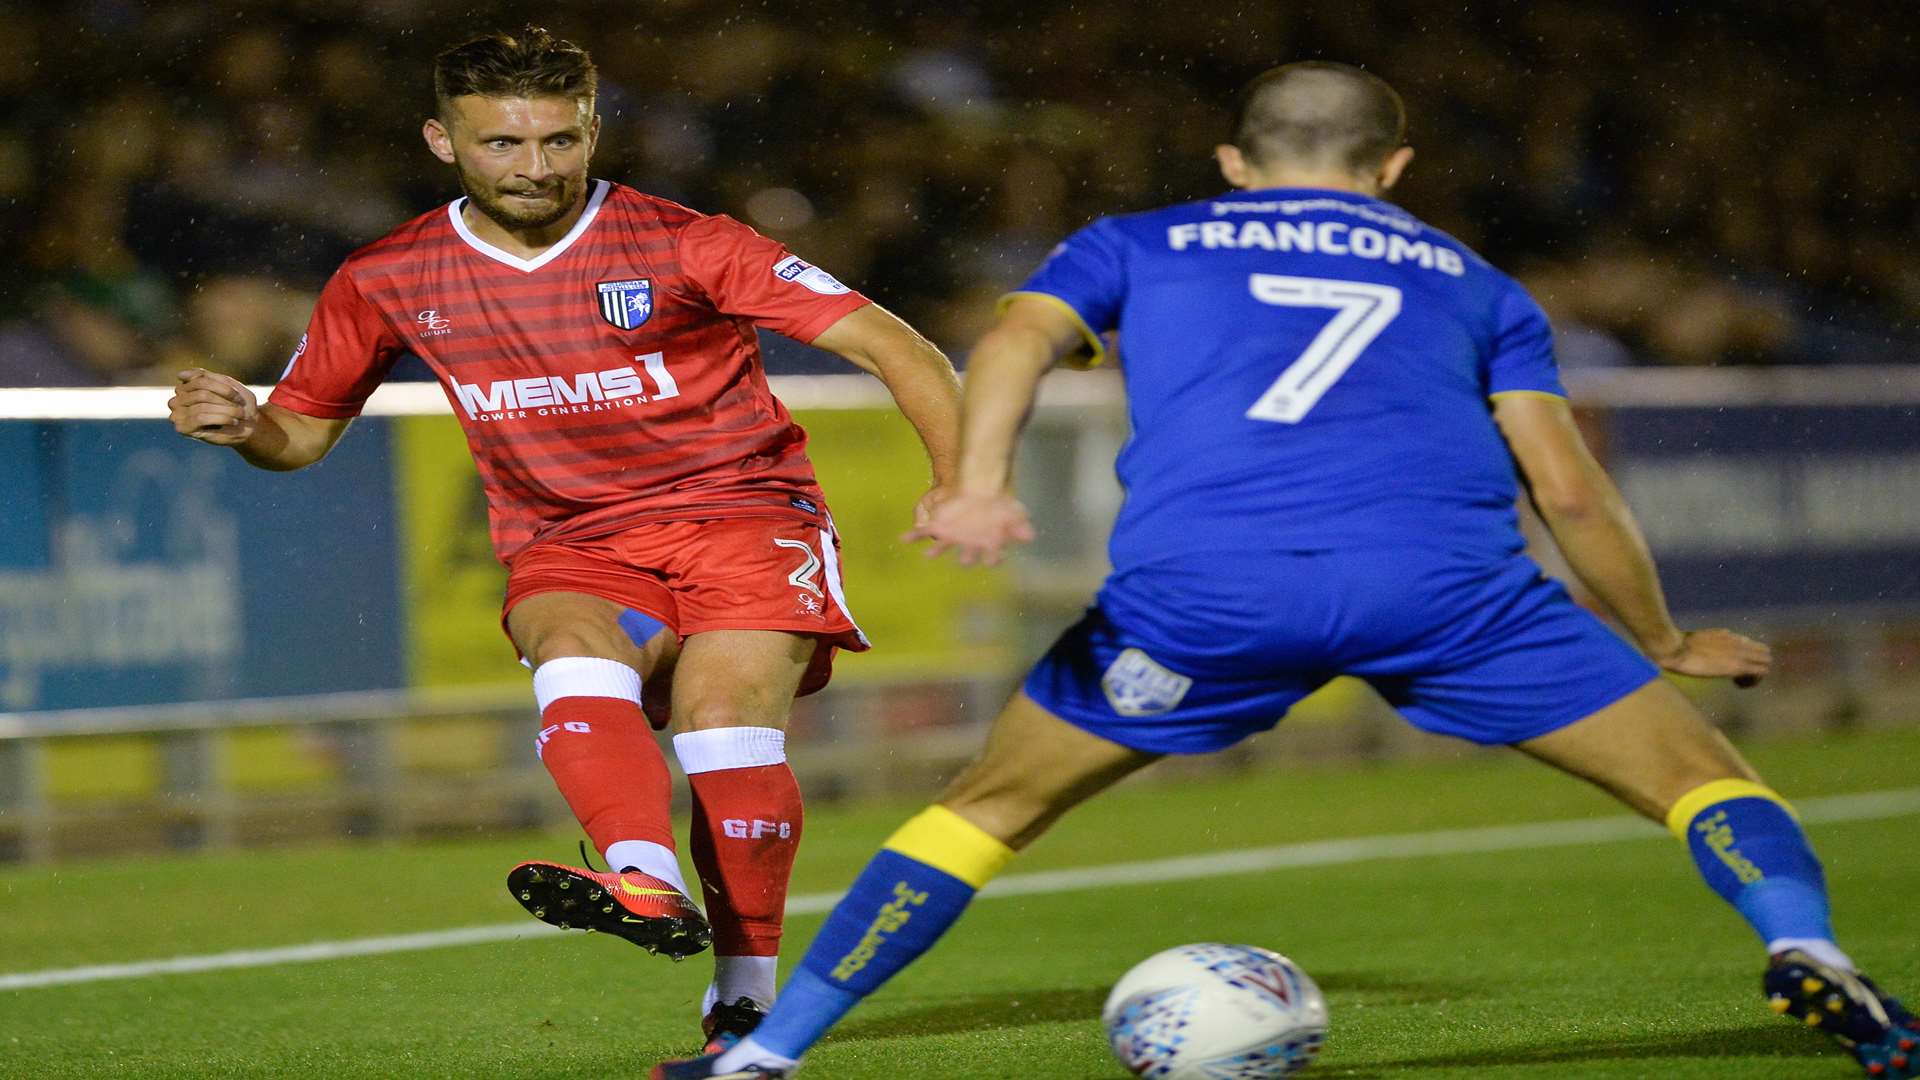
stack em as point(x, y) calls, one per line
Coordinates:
point(558, 643)
point(705, 714)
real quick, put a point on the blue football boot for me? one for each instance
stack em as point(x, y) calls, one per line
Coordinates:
point(1880, 1033)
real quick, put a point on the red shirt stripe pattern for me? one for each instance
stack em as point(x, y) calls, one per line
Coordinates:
point(611, 380)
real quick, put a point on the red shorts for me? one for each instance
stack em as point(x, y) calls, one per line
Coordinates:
point(695, 576)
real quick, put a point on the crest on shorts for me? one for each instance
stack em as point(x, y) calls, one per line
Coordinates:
point(626, 304)
point(1137, 685)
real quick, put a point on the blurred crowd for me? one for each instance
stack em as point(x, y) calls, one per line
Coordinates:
point(1709, 184)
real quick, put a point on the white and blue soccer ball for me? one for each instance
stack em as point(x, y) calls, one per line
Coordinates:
point(1215, 1012)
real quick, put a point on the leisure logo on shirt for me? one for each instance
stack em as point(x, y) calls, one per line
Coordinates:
point(433, 324)
point(626, 304)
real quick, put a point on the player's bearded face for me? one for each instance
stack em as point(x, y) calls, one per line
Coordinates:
point(519, 204)
point(523, 161)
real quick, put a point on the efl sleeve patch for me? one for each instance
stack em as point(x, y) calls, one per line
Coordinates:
point(794, 269)
point(748, 275)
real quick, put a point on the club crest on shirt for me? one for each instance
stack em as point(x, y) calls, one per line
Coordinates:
point(1138, 685)
point(626, 304)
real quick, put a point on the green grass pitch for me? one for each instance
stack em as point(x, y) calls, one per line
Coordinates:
point(1606, 960)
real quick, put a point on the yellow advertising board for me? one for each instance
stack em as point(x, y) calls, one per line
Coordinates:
point(925, 618)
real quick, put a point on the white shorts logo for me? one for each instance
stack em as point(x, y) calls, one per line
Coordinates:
point(792, 268)
point(1136, 685)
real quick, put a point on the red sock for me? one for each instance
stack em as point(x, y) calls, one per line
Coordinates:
point(601, 753)
point(746, 829)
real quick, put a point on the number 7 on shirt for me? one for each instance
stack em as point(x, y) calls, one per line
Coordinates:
point(1361, 311)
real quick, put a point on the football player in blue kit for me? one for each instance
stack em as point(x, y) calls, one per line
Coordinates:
point(1333, 408)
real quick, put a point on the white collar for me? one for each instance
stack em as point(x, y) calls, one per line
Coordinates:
point(600, 189)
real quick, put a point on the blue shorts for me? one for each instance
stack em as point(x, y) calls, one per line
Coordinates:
point(1187, 658)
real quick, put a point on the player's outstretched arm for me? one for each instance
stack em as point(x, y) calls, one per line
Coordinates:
point(917, 374)
point(1003, 376)
point(219, 409)
point(1602, 542)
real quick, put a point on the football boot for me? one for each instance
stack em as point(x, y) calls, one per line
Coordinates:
point(1880, 1033)
point(639, 907)
point(727, 1024)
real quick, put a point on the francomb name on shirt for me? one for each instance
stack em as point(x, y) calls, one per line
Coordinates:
point(1309, 237)
point(589, 391)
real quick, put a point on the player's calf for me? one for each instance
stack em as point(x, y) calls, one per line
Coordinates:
point(594, 741)
point(899, 906)
point(1748, 846)
point(747, 819)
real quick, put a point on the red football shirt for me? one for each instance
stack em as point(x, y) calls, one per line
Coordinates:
point(613, 379)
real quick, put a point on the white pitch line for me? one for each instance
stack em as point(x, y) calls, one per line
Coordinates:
point(1866, 806)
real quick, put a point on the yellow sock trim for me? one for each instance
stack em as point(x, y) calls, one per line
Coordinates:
point(952, 845)
point(1690, 805)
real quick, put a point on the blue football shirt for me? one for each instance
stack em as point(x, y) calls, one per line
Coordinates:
point(1306, 370)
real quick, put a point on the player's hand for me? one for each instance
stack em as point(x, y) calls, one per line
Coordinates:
point(1719, 654)
point(213, 408)
point(923, 508)
point(976, 527)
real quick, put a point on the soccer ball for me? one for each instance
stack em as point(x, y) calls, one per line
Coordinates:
point(1215, 1012)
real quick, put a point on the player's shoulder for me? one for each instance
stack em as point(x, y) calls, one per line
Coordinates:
point(1473, 258)
point(403, 243)
point(1135, 224)
point(1501, 288)
point(1305, 204)
point(653, 222)
point(1495, 295)
point(642, 207)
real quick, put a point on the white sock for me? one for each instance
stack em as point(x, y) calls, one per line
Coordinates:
point(1819, 948)
point(713, 749)
point(648, 858)
point(584, 676)
point(736, 977)
point(747, 1052)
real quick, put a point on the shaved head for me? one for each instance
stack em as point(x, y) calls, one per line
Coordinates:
point(1319, 115)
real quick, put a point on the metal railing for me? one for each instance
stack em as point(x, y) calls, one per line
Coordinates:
point(861, 736)
point(860, 739)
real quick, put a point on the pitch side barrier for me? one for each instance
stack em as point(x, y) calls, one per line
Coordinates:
point(195, 652)
point(138, 568)
point(211, 774)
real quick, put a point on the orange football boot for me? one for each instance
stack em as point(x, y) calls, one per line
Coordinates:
point(639, 907)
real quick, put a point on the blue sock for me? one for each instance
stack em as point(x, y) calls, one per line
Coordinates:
point(1749, 848)
point(902, 903)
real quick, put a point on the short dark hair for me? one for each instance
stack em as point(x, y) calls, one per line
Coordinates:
point(1320, 113)
point(531, 63)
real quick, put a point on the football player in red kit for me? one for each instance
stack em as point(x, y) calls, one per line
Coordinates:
point(651, 499)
